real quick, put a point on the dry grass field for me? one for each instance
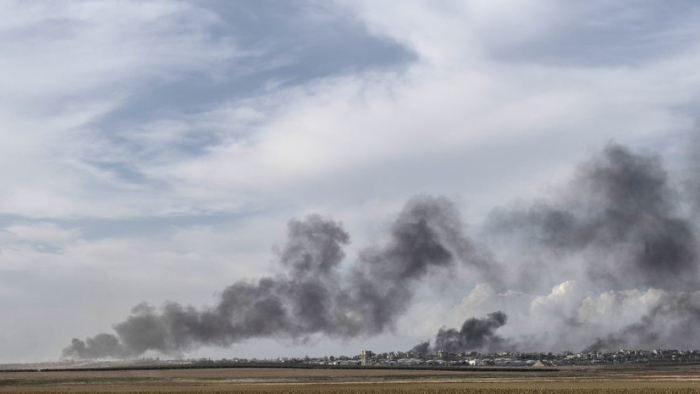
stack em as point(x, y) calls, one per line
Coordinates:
point(347, 381)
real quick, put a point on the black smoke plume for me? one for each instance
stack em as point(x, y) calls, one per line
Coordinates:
point(421, 349)
point(475, 334)
point(312, 296)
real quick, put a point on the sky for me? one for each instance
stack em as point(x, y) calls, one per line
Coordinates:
point(156, 151)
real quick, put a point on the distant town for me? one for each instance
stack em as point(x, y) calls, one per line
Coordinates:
point(367, 358)
point(504, 359)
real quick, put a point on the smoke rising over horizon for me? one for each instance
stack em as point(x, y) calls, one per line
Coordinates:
point(475, 334)
point(618, 240)
point(313, 296)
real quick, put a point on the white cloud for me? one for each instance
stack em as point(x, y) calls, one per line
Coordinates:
point(286, 142)
point(44, 233)
point(383, 124)
point(64, 50)
point(570, 317)
point(614, 309)
point(66, 65)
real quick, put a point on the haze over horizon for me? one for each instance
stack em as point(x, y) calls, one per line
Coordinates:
point(478, 174)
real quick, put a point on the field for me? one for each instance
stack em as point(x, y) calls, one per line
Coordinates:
point(347, 381)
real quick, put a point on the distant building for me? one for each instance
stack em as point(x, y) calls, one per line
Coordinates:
point(366, 359)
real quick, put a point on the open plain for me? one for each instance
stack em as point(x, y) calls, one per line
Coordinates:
point(291, 380)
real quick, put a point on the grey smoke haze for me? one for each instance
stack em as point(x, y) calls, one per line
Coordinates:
point(313, 296)
point(670, 323)
point(692, 178)
point(475, 334)
point(621, 215)
point(620, 222)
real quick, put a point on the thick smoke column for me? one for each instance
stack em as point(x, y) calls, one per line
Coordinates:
point(312, 296)
point(475, 334)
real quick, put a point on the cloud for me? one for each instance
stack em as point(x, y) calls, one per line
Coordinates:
point(171, 138)
point(43, 234)
point(454, 99)
point(372, 124)
point(69, 65)
point(569, 317)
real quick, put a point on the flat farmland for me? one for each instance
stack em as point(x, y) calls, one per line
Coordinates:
point(346, 381)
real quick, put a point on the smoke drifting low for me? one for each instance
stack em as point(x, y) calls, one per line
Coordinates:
point(619, 237)
point(672, 320)
point(313, 296)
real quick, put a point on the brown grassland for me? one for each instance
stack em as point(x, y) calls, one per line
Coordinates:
point(347, 381)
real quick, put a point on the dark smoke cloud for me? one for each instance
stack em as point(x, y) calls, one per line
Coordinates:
point(101, 345)
point(621, 216)
point(422, 348)
point(475, 334)
point(313, 296)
